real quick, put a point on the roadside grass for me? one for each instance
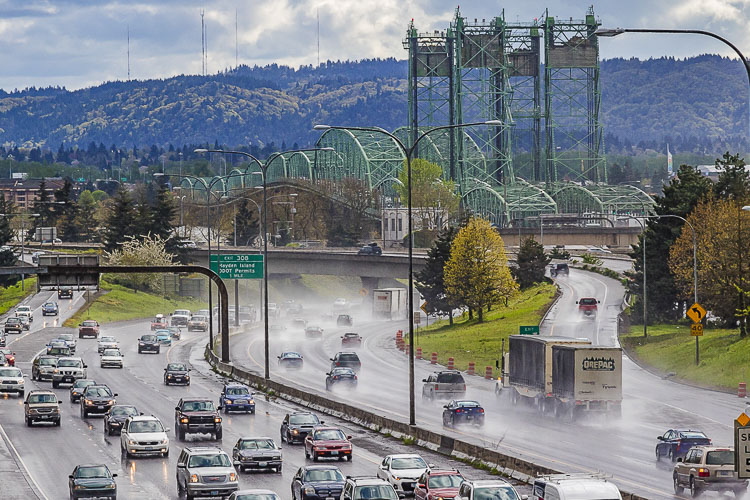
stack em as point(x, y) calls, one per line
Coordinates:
point(120, 303)
point(481, 343)
point(12, 295)
point(671, 350)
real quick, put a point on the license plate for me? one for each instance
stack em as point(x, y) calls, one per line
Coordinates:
point(68, 379)
point(214, 492)
point(99, 407)
point(469, 417)
point(330, 498)
point(725, 472)
point(334, 453)
point(262, 464)
point(150, 448)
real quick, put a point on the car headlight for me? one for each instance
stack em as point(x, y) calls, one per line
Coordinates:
point(194, 478)
point(164, 441)
point(131, 442)
point(232, 476)
point(111, 486)
point(56, 371)
point(78, 487)
point(88, 402)
point(217, 420)
point(20, 381)
point(184, 420)
point(309, 490)
point(111, 401)
point(169, 376)
point(252, 402)
point(228, 401)
point(295, 431)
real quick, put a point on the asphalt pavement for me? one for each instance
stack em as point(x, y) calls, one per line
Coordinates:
point(623, 448)
point(50, 453)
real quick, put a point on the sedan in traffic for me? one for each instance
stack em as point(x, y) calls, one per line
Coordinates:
point(339, 377)
point(164, 337)
point(461, 411)
point(92, 481)
point(176, 373)
point(116, 416)
point(50, 309)
point(76, 390)
point(97, 399)
point(111, 358)
point(290, 359)
point(675, 443)
point(328, 442)
point(258, 453)
point(314, 332)
point(317, 482)
point(107, 342)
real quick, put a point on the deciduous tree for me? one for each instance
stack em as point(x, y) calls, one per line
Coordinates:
point(434, 200)
point(477, 273)
point(146, 251)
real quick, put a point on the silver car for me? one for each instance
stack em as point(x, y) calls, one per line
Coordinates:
point(205, 471)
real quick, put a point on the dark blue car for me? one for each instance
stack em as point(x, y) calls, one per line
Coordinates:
point(317, 482)
point(50, 308)
point(237, 397)
point(461, 411)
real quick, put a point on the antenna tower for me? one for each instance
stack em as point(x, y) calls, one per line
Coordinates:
point(236, 41)
point(128, 52)
point(318, 37)
point(203, 45)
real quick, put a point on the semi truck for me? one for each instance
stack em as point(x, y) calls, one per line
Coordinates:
point(563, 375)
point(389, 303)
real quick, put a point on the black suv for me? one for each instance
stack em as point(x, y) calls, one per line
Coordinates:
point(559, 269)
point(116, 416)
point(346, 360)
point(370, 249)
point(196, 416)
point(64, 292)
point(176, 373)
point(97, 399)
point(296, 426)
point(149, 343)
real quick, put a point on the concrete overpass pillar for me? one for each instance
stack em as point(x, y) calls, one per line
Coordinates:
point(368, 285)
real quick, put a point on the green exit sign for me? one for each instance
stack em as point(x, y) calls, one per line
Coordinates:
point(237, 266)
point(529, 330)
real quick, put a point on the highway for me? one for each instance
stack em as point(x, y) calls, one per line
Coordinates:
point(622, 447)
point(50, 453)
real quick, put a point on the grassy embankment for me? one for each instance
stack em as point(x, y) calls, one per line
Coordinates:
point(120, 303)
point(481, 343)
point(671, 350)
point(12, 295)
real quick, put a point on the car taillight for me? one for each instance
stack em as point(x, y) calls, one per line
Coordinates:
point(337, 363)
point(437, 387)
point(335, 377)
point(704, 472)
point(481, 410)
point(355, 377)
point(458, 411)
point(464, 386)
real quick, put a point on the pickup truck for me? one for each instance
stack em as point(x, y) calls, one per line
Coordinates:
point(587, 307)
point(195, 416)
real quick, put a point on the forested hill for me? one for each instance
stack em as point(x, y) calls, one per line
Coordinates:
point(689, 102)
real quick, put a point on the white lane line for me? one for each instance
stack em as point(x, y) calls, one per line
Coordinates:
point(23, 464)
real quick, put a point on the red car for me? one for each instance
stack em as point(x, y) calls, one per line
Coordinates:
point(587, 307)
point(328, 442)
point(158, 323)
point(10, 357)
point(436, 484)
point(89, 328)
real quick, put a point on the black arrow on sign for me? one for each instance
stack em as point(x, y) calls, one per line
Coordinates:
point(697, 311)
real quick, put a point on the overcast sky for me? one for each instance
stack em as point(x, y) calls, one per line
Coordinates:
point(79, 43)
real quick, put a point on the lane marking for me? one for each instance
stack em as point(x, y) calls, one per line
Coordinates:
point(23, 464)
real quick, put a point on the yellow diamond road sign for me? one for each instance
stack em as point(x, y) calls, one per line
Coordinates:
point(743, 419)
point(696, 313)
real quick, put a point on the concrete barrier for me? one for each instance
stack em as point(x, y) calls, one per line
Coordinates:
point(505, 464)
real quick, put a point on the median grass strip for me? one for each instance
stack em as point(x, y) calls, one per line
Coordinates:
point(671, 350)
point(12, 295)
point(481, 343)
point(120, 303)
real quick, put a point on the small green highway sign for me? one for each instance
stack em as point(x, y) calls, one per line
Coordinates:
point(529, 330)
point(237, 266)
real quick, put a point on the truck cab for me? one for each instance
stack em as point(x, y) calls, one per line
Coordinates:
point(587, 307)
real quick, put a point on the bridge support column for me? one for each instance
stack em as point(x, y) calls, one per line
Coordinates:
point(368, 285)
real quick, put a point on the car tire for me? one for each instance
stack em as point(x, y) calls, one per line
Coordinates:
point(658, 454)
point(83, 412)
point(21, 394)
point(315, 457)
point(677, 488)
point(57, 422)
point(180, 434)
point(349, 458)
point(165, 454)
point(55, 385)
point(219, 434)
point(670, 455)
point(28, 422)
point(694, 491)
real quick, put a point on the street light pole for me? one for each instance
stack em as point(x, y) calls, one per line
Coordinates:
point(612, 32)
point(645, 282)
point(408, 152)
point(263, 171)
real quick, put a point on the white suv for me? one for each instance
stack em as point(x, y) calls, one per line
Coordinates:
point(205, 471)
point(25, 311)
point(68, 370)
point(144, 435)
point(357, 488)
point(403, 471)
point(495, 488)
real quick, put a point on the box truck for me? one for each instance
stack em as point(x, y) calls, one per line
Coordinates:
point(389, 303)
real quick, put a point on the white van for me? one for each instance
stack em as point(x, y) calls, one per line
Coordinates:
point(575, 487)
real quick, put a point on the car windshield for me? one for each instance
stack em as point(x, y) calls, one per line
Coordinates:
point(181, 312)
point(10, 372)
point(720, 457)
point(102, 392)
point(329, 435)
point(289, 355)
point(257, 496)
point(12, 320)
point(96, 471)
point(111, 352)
point(140, 426)
point(692, 435)
point(198, 318)
point(198, 406)
point(42, 398)
point(176, 367)
point(257, 444)
point(162, 336)
point(448, 481)
point(587, 302)
point(89, 323)
point(218, 460)
point(83, 383)
point(66, 336)
point(23, 309)
point(49, 304)
point(69, 362)
point(148, 338)
point(349, 357)
point(408, 463)
point(495, 493)
point(351, 335)
point(304, 419)
point(468, 404)
point(237, 391)
point(342, 371)
point(58, 350)
point(450, 378)
point(123, 411)
point(48, 361)
point(323, 475)
point(377, 492)
point(107, 339)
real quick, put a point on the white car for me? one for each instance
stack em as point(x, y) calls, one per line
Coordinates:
point(25, 311)
point(144, 435)
point(107, 343)
point(496, 488)
point(402, 472)
point(340, 304)
point(111, 357)
point(11, 380)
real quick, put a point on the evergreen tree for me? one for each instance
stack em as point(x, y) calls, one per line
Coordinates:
point(340, 235)
point(430, 281)
point(532, 263)
point(66, 211)
point(121, 220)
point(248, 227)
point(43, 207)
point(163, 213)
point(7, 233)
point(85, 219)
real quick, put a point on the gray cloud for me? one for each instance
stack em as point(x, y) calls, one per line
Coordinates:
point(83, 42)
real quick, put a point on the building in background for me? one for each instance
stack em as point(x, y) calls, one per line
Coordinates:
point(24, 192)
